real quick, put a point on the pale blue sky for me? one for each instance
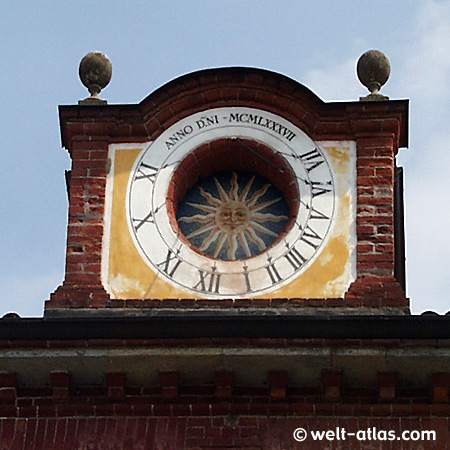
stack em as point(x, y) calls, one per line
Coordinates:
point(314, 42)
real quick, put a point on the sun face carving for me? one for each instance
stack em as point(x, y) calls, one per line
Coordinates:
point(233, 216)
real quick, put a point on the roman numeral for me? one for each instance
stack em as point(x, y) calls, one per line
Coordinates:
point(148, 172)
point(147, 219)
point(295, 258)
point(273, 273)
point(170, 264)
point(311, 234)
point(318, 188)
point(312, 159)
point(315, 214)
point(212, 286)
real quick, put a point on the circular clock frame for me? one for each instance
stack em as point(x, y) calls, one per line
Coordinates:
point(198, 146)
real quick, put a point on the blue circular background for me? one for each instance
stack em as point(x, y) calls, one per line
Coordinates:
point(194, 196)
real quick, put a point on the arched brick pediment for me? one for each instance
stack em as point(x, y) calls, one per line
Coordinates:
point(233, 86)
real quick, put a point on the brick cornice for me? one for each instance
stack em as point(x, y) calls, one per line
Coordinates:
point(235, 86)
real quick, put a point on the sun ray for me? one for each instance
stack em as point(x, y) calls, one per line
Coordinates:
point(244, 243)
point(256, 226)
point(219, 245)
point(257, 195)
point(206, 208)
point(197, 218)
point(232, 242)
point(260, 206)
point(256, 239)
point(210, 198)
point(201, 230)
point(223, 195)
point(246, 190)
point(211, 238)
point(234, 187)
point(267, 217)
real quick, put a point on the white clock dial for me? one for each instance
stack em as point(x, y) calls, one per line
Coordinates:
point(231, 202)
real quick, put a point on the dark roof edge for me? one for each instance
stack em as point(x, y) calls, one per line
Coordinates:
point(256, 326)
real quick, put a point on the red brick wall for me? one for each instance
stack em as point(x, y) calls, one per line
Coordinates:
point(205, 426)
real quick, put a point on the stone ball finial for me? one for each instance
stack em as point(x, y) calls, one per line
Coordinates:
point(95, 72)
point(373, 71)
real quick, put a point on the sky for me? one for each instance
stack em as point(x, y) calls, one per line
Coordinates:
point(317, 43)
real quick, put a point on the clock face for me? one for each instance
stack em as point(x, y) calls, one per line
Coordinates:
point(231, 202)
